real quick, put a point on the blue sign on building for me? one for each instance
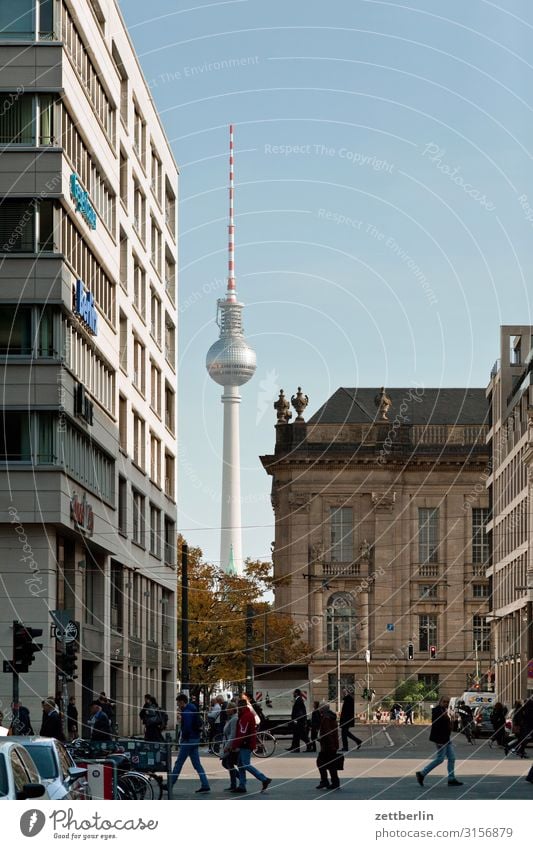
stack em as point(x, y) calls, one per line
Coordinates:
point(85, 307)
point(83, 203)
point(390, 626)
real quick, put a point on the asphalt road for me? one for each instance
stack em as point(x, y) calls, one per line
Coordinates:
point(384, 768)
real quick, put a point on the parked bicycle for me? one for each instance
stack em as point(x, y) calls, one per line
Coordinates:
point(132, 785)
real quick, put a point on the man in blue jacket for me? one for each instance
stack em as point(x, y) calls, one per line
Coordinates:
point(189, 743)
point(441, 730)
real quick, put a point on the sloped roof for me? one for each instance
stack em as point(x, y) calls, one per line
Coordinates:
point(412, 405)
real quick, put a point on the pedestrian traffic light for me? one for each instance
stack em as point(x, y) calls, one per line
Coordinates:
point(67, 661)
point(24, 649)
point(433, 652)
point(410, 651)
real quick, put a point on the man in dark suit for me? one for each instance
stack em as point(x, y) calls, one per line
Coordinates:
point(21, 722)
point(299, 723)
point(52, 726)
point(347, 720)
point(441, 729)
point(99, 722)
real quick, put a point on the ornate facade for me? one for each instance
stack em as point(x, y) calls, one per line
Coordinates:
point(380, 512)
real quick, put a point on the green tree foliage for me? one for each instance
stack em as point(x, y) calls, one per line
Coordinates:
point(415, 691)
point(217, 622)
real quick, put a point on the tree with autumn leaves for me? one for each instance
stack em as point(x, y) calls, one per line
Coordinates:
point(217, 622)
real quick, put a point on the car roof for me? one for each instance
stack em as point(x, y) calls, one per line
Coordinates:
point(41, 741)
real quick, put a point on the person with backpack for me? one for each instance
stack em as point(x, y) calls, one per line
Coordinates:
point(152, 718)
point(191, 726)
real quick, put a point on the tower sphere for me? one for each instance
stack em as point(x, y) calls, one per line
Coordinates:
point(231, 361)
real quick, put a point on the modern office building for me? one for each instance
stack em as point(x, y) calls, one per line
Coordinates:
point(511, 444)
point(88, 321)
point(380, 545)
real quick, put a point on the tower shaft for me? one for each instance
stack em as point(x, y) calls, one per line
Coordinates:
point(231, 523)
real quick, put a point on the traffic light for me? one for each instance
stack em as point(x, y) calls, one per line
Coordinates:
point(24, 649)
point(433, 652)
point(67, 661)
point(365, 693)
point(410, 651)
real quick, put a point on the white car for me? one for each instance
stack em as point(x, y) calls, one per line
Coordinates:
point(58, 772)
point(19, 778)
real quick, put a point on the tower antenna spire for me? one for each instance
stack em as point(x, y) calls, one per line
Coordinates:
point(231, 291)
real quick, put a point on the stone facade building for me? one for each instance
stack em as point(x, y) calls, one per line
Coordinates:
point(511, 445)
point(380, 512)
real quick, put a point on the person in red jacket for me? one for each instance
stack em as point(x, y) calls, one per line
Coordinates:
point(244, 743)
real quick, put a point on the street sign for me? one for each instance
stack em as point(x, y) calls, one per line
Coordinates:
point(390, 626)
point(68, 633)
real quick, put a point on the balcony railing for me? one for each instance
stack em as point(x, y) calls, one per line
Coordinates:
point(351, 570)
point(428, 570)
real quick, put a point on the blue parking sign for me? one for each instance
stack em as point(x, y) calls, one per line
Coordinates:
point(390, 626)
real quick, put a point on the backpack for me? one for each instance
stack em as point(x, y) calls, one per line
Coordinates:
point(153, 717)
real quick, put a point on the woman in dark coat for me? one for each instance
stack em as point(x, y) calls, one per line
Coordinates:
point(497, 718)
point(328, 757)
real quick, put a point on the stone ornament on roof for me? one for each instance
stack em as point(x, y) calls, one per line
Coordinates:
point(282, 408)
point(383, 403)
point(299, 402)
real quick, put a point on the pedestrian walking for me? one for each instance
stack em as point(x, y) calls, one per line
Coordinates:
point(518, 729)
point(440, 734)
point(99, 722)
point(395, 713)
point(408, 710)
point(244, 742)
point(315, 725)
point(347, 720)
point(230, 756)
point(328, 759)
point(191, 726)
point(51, 725)
point(72, 718)
point(526, 727)
point(497, 718)
point(20, 720)
point(298, 724)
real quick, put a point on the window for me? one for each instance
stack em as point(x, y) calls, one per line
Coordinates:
point(15, 436)
point(17, 19)
point(480, 634)
point(139, 288)
point(155, 389)
point(122, 506)
point(123, 179)
point(340, 623)
point(123, 260)
point(138, 440)
point(124, 98)
point(87, 463)
point(170, 405)
point(428, 534)
point(123, 358)
point(27, 119)
point(170, 465)
point(16, 330)
point(139, 365)
point(139, 211)
point(480, 540)
point(155, 317)
point(88, 268)
point(136, 605)
point(139, 135)
point(427, 631)
point(480, 590)
point(341, 520)
point(117, 596)
point(123, 423)
point(347, 679)
point(155, 531)
point(27, 226)
point(89, 594)
point(156, 247)
point(170, 276)
point(170, 542)
point(170, 209)
point(156, 176)
point(428, 590)
point(166, 617)
point(138, 517)
point(170, 336)
point(155, 459)
point(84, 359)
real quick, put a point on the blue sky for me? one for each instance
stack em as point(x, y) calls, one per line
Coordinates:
point(384, 204)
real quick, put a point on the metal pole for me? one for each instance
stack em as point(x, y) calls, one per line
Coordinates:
point(249, 657)
point(185, 618)
point(265, 638)
point(368, 692)
point(16, 681)
point(338, 680)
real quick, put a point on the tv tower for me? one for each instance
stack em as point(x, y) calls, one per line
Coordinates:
point(231, 362)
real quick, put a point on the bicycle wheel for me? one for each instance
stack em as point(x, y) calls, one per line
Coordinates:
point(138, 785)
point(157, 785)
point(266, 745)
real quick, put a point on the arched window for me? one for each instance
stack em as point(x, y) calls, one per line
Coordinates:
point(340, 622)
